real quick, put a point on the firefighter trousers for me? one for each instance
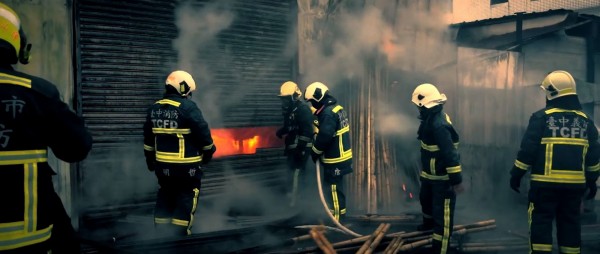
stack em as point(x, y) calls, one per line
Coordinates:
point(333, 190)
point(296, 177)
point(548, 204)
point(177, 200)
point(437, 204)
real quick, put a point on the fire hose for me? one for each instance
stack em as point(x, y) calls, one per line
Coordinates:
point(336, 222)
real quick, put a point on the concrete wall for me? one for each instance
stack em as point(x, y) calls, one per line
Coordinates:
point(48, 25)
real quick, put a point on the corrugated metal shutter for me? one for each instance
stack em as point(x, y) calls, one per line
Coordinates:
point(125, 51)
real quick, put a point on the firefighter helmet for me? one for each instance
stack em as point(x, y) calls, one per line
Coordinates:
point(316, 91)
point(182, 82)
point(427, 95)
point(12, 35)
point(290, 88)
point(558, 84)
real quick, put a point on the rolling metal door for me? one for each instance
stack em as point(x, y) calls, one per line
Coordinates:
point(125, 50)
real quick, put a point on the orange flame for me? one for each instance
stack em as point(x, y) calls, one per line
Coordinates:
point(238, 141)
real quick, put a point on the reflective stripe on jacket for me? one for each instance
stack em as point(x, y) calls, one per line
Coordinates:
point(333, 139)
point(560, 147)
point(176, 132)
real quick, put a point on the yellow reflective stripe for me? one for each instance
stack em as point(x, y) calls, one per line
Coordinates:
point(436, 237)
point(455, 169)
point(337, 108)
point(208, 147)
point(343, 211)
point(178, 222)
point(434, 177)
point(148, 148)
point(342, 131)
point(565, 141)
point(22, 239)
point(448, 118)
point(23, 157)
point(162, 220)
point(446, 236)
point(559, 178)
point(170, 131)
point(556, 110)
point(317, 151)
point(303, 138)
point(194, 206)
point(14, 80)
point(522, 165)
point(295, 187)
point(569, 250)
point(548, 159)
point(169, 102)
point(434, 148)
point(432, 165)
point(181, 146)
point(593, 168)
point(336, 205)
point(176, 159)
point(31, 198)
point(529, 219)
point(541, 247)
point(347, 155)
point(11, 227)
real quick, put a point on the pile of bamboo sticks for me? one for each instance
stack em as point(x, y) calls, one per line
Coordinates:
point(399, 242)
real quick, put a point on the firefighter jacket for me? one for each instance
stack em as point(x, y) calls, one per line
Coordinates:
point(175, 132)
point(332, 141)
point(33, 118)
point(298, 125)
point(439, 148)
point(560, 147)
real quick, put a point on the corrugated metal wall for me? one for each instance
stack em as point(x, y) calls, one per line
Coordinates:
point(125, 50)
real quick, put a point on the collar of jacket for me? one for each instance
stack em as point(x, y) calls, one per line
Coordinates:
point(172, 95)
point(566, 102)
point(5, 66)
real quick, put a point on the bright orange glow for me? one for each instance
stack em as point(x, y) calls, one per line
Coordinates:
point(390, 46)
point(238, 141)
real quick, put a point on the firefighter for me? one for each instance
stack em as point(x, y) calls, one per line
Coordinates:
point(441, 170)
point(177, 141)
point(33, 118)
point(298, 128)
point(560, 148)
point(331, 145)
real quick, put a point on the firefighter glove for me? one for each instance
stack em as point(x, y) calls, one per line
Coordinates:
point(591, 185)
point(515, 183)
point(280, 132)
point(151, 165)
point(208, 154)
point(314, 156)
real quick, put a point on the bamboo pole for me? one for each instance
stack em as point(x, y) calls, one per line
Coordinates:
point(321, 241)
point(377, 240)
point(392, 245)
point(368, 242)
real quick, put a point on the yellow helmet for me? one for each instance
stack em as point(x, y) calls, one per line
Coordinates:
point(182, 82)
point(12, 33)
point(316, 91)
point(289, 88)
point(558, 84)
point(427, 95)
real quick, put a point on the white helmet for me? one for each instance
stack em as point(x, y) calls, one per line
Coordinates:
point(182, 82)
point(558, 84)
point(289, 88)
point(427, 95)
point(316, 91)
